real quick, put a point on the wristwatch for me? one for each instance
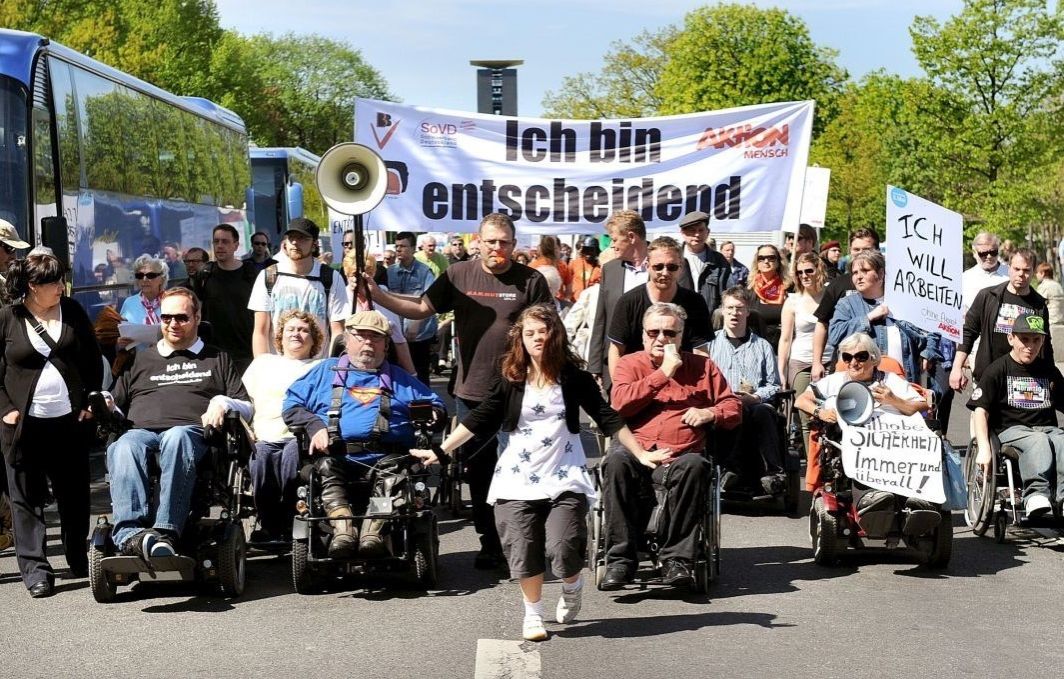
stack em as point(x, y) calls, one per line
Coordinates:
point(816, 412)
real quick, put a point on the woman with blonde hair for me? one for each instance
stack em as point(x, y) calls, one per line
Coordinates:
point(769, 281)
point(798, 322)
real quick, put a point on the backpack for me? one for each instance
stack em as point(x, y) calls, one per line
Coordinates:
point(326, 281)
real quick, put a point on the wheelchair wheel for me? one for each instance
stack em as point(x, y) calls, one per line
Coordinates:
point(823, 534)
point(100, 581)
point(232, 562)
point(304, 580)
point(426, 557)
point(979, 512)
point(942, 549)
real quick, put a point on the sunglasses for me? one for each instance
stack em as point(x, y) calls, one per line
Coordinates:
point(806, 272)
point(988, 253)
point(860, 357)
point(670, 267)
point(766, 258)
point(150, 275)
point(348, 246)
point(653, 334)
point(180, 319)
point(193, 261)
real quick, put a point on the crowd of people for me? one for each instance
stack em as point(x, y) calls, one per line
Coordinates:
point(665, 343)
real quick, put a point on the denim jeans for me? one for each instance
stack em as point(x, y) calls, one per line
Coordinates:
point(177, 451)
point(273, 480)
point(1039, 447)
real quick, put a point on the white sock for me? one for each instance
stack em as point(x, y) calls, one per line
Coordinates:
point(534, 608)
point(575, 586)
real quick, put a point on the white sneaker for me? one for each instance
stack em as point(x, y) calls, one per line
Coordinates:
point(1037, 505)
point(533, 628)
point(569, 605)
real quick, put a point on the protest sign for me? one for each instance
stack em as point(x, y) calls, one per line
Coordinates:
point(923, 284)
point(896, 453)
point(744, 167)
point(815, 197)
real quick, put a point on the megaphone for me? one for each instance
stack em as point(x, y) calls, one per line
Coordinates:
point(351, 178)
point(854, 404)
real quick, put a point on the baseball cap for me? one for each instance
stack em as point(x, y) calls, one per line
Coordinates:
point(368, 320)
point(303, 225)
point(1029, 324)
point(9, 236)
point(692, 218)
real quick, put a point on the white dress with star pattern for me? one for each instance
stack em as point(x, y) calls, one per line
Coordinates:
point(543, 459)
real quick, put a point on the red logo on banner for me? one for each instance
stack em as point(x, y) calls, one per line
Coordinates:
point(384, 120)
point(745, 135)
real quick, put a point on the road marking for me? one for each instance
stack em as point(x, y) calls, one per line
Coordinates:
point(498, 659)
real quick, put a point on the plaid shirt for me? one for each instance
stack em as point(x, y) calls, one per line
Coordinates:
point(752, 363)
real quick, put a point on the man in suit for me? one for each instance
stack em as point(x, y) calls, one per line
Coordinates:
point(626, 271)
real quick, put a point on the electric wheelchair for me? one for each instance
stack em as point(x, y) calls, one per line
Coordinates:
point(995, 500)
point(395, 491)
point(836, 520)
point(212, 548)
point(706, 566)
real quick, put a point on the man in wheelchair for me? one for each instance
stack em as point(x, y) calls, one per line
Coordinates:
point(1017, 397)
point(169, 395)
point(667, 397)
point(749, 364)
point(356, 411)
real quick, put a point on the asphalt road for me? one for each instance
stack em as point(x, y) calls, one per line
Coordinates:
point(994, 612)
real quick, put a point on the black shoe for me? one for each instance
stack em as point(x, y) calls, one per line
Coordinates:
point(729, 480)
point(139, 545)
point(616, 578)
point(260, 535)
point(774, 484)
point(163, 546)
point(488, 559)
point(42, 589)
point(676, 573)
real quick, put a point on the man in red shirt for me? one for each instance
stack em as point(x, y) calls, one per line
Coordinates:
point(667, 397)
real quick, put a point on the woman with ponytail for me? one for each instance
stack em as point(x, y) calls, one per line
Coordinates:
point(51, 362)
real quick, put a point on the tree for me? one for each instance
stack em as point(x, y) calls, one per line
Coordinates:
point(624, 88)
point(1000, 61)
point(736, 55)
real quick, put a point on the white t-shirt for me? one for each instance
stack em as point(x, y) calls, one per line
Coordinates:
point(267, 379)
point(830, 386)
point(976, 278)
point(51, 398)
point(295, 292)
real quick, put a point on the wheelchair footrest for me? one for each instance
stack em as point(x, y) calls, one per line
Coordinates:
point(162, 564)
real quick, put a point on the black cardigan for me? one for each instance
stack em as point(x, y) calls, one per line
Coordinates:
point(579, 390)
point(77, 357)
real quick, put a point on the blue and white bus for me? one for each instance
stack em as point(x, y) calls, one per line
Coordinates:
point(128, 166)
point(284, 186)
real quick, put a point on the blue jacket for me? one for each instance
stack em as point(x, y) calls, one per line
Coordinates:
point(851, 315)
point(308, 399)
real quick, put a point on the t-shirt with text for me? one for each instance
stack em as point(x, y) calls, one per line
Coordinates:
point(1016, 394)
point(1012, 307)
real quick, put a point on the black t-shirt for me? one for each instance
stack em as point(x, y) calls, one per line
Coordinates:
point(224, 298)
point(158, 393)
point(836, 290)
point(485, 306)
point(626, 326)
point(1016, 394)
point(1012, 307)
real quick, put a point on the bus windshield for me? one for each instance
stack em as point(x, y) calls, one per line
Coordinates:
point(14, 161)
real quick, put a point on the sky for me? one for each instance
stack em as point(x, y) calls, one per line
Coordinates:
point(423, 47)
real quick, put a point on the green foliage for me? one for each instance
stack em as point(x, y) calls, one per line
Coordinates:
point(737, 55)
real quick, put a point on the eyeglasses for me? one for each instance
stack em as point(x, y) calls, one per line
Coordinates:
point(653, 333)
point(347, 245)
point(860, 357)
point(193, 261)
point(150, 275)
point(364, 336)
point(497, 243)
point(180, 319)
point(7, 248)
point(806, 272)
point(670, 267)
point(988, 253)
point(766, 258)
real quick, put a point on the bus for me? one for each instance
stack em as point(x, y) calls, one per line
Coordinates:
point(284, 188)
point(103, 167)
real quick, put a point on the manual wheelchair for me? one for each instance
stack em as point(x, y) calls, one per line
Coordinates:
point(706, 565)
point(212, 548)
point(394, 490)
point(996, 500)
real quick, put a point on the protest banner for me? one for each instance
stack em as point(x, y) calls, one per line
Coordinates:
point(923, 284)
point(744, 167)
point(815, 197)
point(896, 453)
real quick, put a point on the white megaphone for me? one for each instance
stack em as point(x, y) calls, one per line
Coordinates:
point(854, 404)
point(352, 178)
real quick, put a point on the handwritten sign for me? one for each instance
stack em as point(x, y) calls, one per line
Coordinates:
point(895, 453)
point(924, 265)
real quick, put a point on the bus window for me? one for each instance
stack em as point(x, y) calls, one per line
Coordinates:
point(14, 183)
